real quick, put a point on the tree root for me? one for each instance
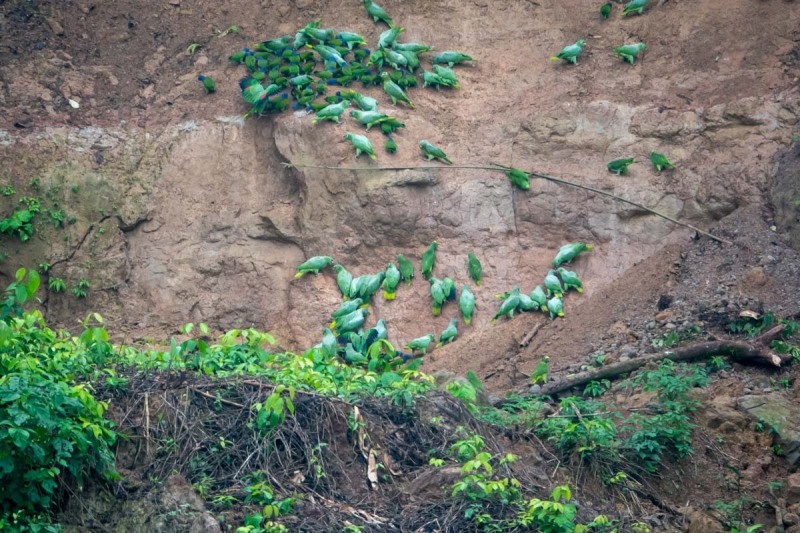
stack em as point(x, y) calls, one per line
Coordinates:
point(756, 352)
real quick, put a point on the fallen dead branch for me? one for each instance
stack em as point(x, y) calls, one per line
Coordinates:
point(756, 352)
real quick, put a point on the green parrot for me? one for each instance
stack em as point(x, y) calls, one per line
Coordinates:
point(540, 372)
point(391, 281)
point(570, 53)
point(356, 285)
point(570, 279)
point(420, 344)
point(629, 52)
point(406, 268)
point(620, 166)
point(208, 83)
point(371, 285)
point(466, 304)
point(438, 295)
point(365, 103)
point(526, 303)
point(474, 268)
point(412, 47)
point(238, 56)
point(660, 161)
point(301, 81)
point(387, 38)
point(428, 260)
point(351, 322)
point(315, 264)
point(570, 251)
point(432, 79)
point(395, 59)
point(449, 334)
point(343, 280)
point(552, 284)
point(352, 356)
point(300, 40)
point(450, 58)
point(329, 54)
point(369, 118)
point(635, 6)
point(394, 91)
point(448, 75)
point(345, 308)
point(432, 152)
point(276, 46)
point(390, 146)
point(449, 287)
point(605, 10)
point(377, 333)
point(313, 31)
point(377, 13)
point(412, 60)
point(390, 125)
point(509, 305)
point(539, 297)
point(332, 112)
point(361, 144)
point(555, 306)
point(328, 343)
point(519, 178)
point(350, 39)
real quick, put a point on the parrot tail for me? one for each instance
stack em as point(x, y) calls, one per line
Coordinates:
point(364, 306)
point(478, 283)
point(447, 161)
point(561, 313)
point(437, 311)
point(554, 58)
point(438, 344)
point(345, 297)
point(389, 295)
point(373, 157)
point(589, 247)
point(467, 320)
point(578, 289)
point(333, 325)
point(544, 309)
point(299, 275)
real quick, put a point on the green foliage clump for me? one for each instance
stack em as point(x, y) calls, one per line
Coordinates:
point(18, 224)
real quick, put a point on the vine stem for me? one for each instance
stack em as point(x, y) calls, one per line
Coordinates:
point(494, 167)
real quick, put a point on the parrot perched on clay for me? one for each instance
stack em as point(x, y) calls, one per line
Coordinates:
point(466, 304)
point(372, 283)
point(350, 39)
point(314, 265)
point(406, 268)
point(629, 52)
point(356, 285)
point(391, 281)
point(570, 53)
point(474, 268)
point(361, 144)
point(449, 288)
point(448, 75)
point(539, 374)
point(343, 280)
point(519, 178)
point(329, 54)
point(428, 260)
point(449, 334)
point(412, 60)
point(660, 161)
point(432, 152)
point(605, 10)
point(377, 12)
point(351, 322)
point(509, 305)
point(396, 60)
point(450, 58)
point(345, 309)
point(526, 303)
point(328, 343)
point(387, 38)
point(635, 6)
point(570, 251)
point(208, 83)
point(365, 103)
point(412, 47)
point(552, 284)
point(369, 118)
point(438, 295)
point(555, 306)
point(570, 279)
point(377, 333)
point(394, 91)
point(276, 46)
point(432, 79)
point(539, 297)
point(620, 166)
point(331, 112)
point(390, 146)
point(420, 344)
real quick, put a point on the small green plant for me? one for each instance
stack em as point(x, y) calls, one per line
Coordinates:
point(33, 204)
point(272, 412)
point(598, 359)
point(231, 29)
point(716, 363)
point(222, 501)
point(81, 290)
point(596, 388)
point(75, 188)
point(752, 327)
point(192, 48)
point(44, 267)
point(19, 224)
point(56, 217)
point(35, 184)
point(8, 190)
point(57, 285)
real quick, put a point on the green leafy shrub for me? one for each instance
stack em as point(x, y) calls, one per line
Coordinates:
point(19, 224)
point(81, 290)
point(57, 285)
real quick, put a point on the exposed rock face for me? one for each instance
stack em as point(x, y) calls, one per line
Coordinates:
point(781, 415)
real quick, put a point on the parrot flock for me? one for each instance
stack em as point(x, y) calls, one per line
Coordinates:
point(346, 337)
point(300, 71)
point(628, 52)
